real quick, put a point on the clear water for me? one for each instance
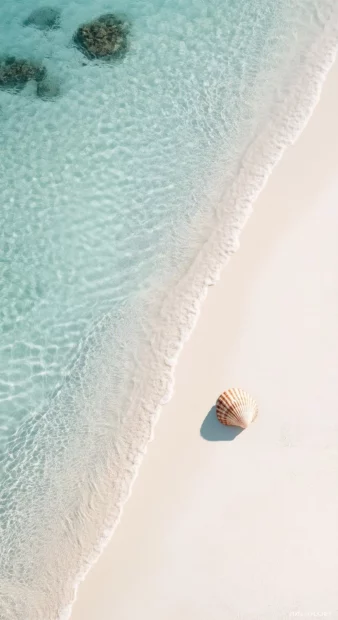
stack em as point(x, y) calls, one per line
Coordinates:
point(119, 201)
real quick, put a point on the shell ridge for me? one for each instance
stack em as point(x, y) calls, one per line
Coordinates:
point(235, 407)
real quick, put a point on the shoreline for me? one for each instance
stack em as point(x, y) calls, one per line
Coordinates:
point(90, 591)
point(297, 128)
point(83, 466)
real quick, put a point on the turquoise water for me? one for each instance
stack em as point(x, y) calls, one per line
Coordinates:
point(110, 195)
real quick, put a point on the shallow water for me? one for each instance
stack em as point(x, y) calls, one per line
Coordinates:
point(108, 193)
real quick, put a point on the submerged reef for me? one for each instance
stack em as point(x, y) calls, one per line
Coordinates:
point(48, 88)
point(45, 18)
point(105, 38)
point(16, 72)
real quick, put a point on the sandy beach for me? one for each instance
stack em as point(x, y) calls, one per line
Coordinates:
point(224, 525)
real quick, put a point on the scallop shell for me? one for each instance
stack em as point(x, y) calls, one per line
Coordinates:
point(236, 408)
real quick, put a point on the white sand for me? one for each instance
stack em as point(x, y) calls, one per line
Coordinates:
point(219, 526)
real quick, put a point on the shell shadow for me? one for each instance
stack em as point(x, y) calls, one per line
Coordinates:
point(213, 430)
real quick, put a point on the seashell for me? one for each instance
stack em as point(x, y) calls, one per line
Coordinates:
point(236, 408)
